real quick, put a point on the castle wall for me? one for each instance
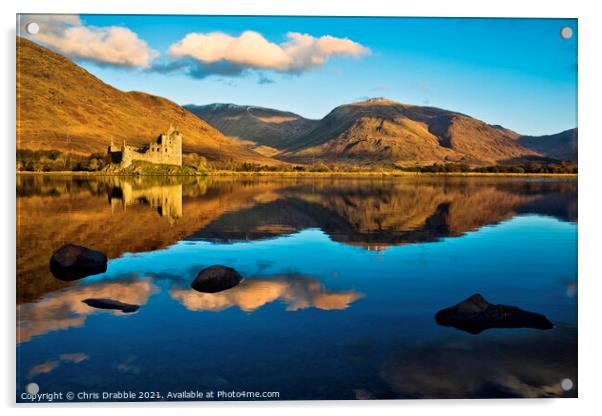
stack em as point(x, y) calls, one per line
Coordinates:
point(167, 150)
point(160, 155)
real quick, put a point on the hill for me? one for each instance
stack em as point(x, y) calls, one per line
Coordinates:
point(561, 146)
point(61, 106)
point(381, 131)
point(262, 126)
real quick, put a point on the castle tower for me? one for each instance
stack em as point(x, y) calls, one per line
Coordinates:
point(172, 142)
point(126, 157)
point(177, 145)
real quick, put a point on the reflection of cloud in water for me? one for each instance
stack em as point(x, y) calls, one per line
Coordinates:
point(76, 357)
point(298, 292)
point(571, 290)
point(43, 368)
point(51, 365)
point(129, 366)
point(514, 366)
point(65, 309)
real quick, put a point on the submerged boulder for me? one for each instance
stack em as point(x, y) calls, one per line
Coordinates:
point(215, 279)
point(72, 262)
point(106, 303)
point(475, 314)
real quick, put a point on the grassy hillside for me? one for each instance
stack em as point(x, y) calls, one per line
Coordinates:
point(61, 106)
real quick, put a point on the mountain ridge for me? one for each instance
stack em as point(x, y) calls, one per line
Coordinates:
point(561, 145)
point(261, 126)
point(380, 131)
point(402, 134)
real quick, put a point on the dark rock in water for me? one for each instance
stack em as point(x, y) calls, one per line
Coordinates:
point(105, 303)
point(216, 279)
point(72, 262)
point(475, 314)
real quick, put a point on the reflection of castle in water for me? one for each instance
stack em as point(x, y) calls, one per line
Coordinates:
point(167, 199)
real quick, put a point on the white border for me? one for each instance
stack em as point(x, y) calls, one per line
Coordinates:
point(590, 201)
point(508, 8)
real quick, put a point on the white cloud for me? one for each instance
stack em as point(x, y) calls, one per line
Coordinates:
point(111, 45)
point(251, 50)
point(197, 54)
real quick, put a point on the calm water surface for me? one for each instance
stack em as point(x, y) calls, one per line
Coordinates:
point(342, 281)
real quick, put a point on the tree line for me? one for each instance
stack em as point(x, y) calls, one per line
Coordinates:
point(54, 161)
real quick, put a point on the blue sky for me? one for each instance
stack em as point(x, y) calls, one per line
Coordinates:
point(519, 73)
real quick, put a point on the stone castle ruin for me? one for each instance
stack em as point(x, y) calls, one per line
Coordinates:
point(166, 150)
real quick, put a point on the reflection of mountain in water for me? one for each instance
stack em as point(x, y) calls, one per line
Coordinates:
point(376, 214)
point(373, 213)
point(55, 210)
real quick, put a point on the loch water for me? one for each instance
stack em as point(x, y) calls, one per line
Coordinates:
point(342, 279)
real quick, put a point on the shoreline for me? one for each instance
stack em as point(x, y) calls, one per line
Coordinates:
point(310, 174)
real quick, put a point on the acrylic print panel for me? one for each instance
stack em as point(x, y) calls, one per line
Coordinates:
point(295, 208)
